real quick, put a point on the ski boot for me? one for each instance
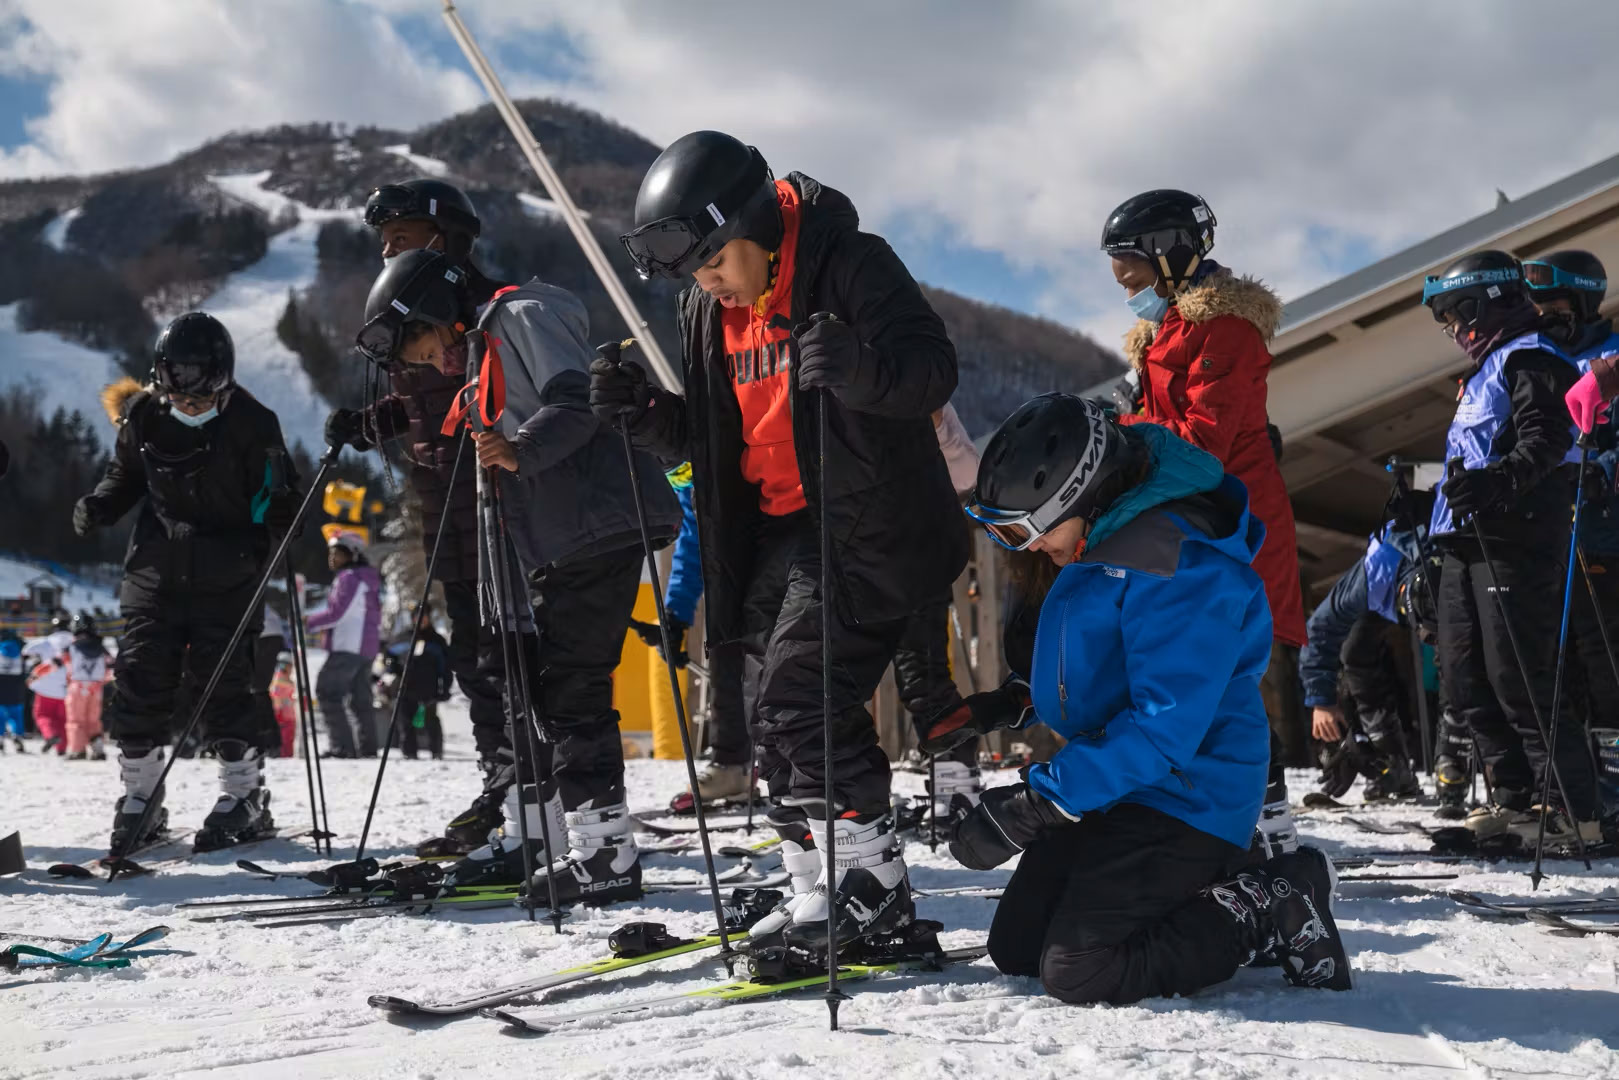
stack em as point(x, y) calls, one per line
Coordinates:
point(1392, 778)
point(1495, 819)
point(98, 749)
point(602, 866)
point(1284, 906)
point(20, 747)
point(870, 884)
point(501, 860)
point(803, 865)
point(1450, 780)
point(470, 829)
point(1560, 831)
point(139, 767)
point(79, 755)
point(716, 783)
point(952, 778)
point(1275, 834)
point(242, 812)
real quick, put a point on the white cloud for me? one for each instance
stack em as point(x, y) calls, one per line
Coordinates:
point(1314, 130)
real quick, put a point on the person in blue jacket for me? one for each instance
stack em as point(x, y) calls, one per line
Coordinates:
point(1136, 878)
point(1347, 635)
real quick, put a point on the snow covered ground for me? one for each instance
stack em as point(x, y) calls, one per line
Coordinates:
point(1439, 993)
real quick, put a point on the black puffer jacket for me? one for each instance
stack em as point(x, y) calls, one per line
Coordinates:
point(205, 491)
point(899, 537)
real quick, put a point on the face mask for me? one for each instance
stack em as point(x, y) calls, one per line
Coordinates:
point(1147, 304)
point(194, 421)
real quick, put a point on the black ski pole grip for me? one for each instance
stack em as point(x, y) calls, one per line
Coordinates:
point(277, 460)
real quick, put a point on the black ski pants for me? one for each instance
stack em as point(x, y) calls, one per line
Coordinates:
point(1369, 676)
point(922, 674)
point(431, 731)
point(1602, 689)
point(581, 614)
point(1481, 674)
point(782, 613)
point(1110, 909)
point(728, 708)
point(165, 633)
point(475, 658)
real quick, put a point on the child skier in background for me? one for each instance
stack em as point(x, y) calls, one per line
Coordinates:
point(48, 681)
point(88, 671)
point(284, 702)
point(13, 687)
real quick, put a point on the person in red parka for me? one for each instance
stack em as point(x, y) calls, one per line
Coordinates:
point(1199, 351)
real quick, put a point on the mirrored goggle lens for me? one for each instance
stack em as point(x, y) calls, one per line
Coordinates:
point(389, 202)
point(1012, 531)
point(1539, 275)
point(377, 340)
point(662, 246)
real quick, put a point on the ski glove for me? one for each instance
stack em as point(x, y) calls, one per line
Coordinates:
point(1005, 821)
point(1008, 706)
point(346, 427)
point(653, 637)
point(87, 517)
point(618, 391)
point(829, 353)
point(1472, 491)
point(281, 513)
point(1586, 404)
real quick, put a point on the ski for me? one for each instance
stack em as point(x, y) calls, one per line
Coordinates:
point(1567, 927)
point(127, 866)
point(1508, 909)
point(734, 992)
point(658, 823)
point(32, 957)
point(92, 868)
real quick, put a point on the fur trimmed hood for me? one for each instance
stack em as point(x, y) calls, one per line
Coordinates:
point(116, 398)
point(1221, 293)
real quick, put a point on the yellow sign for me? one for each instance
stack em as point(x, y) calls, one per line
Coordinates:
point(344, 500)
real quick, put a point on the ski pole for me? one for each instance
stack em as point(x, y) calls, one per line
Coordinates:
point(278, 486)
point(1596, 608)
point(1523, 673)
point(300, 656)
point(611, 352)
point(410, 655)
point(933, 802)
point(522, 702)
point(117, 859)
point(1557, 680)
point(834, 996)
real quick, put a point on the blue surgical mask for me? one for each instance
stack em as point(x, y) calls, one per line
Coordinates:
point(1147, 304)
point(194, 421)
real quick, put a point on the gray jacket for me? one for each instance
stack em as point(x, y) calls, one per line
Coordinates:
point(570, 497)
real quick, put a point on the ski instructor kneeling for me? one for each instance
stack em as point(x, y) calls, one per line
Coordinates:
point(1136, 879)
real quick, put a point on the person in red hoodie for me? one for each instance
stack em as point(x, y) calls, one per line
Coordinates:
point(1199, 350)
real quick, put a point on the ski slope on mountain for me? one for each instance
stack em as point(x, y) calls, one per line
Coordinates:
point(1439, 993)
point(65, 374)
point(15, 575)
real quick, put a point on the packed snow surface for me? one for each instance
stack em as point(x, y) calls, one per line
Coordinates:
point(1439, 993)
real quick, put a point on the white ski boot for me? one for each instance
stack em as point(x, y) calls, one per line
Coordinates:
point(139, 767)
point(242, 812)
point(602, 866)
point(802, 863)
point(869, 882)
point(952, 778)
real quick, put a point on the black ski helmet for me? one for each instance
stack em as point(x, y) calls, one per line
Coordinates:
point(1055, 458)
point(1574, 275)
point(83, 623)
point(194, 356)
point(414, 286)
point(1172, 229)
point(427, 199)
point(1484, 290)
point(705, 190)
point(60, 621)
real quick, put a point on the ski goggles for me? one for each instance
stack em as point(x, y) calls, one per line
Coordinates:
point(1016, 530)
point(378, 340)
point(1543, 275)
point(675, 246)
point(1436, 288)
point(395, 202)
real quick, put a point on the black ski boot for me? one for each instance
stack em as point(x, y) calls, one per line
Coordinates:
point(1392, 778)
point(1451, 782)
point(870, 883)
point(602, 866)
point(139, 767)
point(243, 810)
point(470, 829)
point(1284, 907)
point(501, 861)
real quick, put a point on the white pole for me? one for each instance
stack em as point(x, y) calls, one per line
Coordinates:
point(570, 213)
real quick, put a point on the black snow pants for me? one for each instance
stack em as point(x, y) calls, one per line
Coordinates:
point(475, 658)
point(1602, 689)
point(782, 613)
point(922, 674)
point(1482, 678)
point(1370, 677)
point(165, 633)
point(1109, 909)
point(581, 614)
point(728, 707)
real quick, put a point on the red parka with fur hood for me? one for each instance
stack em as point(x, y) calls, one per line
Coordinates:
point(1203, 374)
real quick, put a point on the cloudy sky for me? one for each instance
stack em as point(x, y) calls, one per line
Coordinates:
point(988, 141)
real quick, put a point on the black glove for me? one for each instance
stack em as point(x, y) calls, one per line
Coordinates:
point(1274, 434)
point(1005, 821)
point(1472, 491)
point(619, 392)
point(346, 427)
point(1340, 765)
point(829, 353)
point(281, 511)
point(86, 517)
point(1008, 706)
point(653, 636)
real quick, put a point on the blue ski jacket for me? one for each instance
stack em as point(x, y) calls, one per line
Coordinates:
point(1371, 585)
point(1150, 648)
point(686, 565)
